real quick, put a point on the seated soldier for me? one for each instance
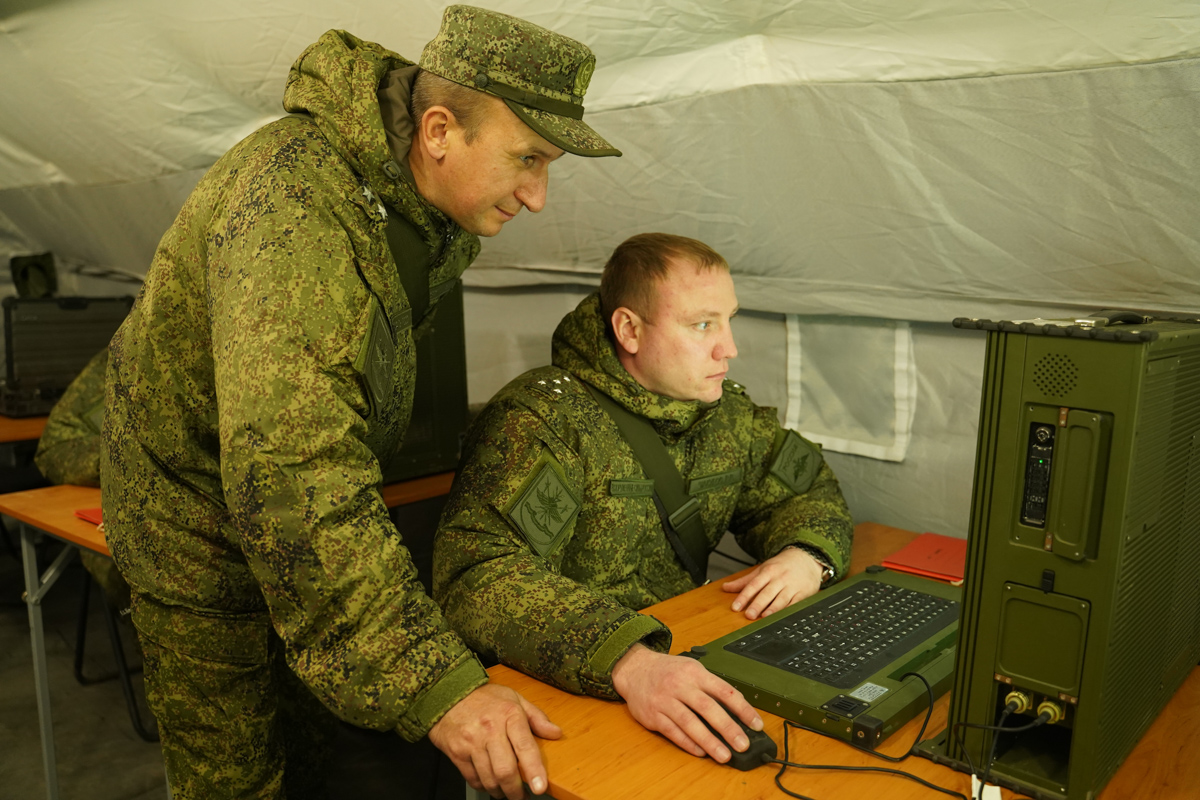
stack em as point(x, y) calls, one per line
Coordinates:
point(69, 452)
point(555, 532)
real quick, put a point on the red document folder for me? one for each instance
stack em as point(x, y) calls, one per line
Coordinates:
point(932, 555)
point(92, 515)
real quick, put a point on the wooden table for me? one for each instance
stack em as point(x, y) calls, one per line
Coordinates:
point(51, 509)
point(606, 755)
point(21, 429)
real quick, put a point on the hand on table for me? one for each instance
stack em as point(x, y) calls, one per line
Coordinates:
point(487, 736)
point(786, 578)
point(665, 694)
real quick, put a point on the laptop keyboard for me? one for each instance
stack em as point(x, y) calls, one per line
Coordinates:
point(845, 638)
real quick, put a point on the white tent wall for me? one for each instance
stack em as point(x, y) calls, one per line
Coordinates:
point(509, 332)
point(887, 165)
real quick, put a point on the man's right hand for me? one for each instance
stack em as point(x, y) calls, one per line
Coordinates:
point(487, 736)
point(665, 693)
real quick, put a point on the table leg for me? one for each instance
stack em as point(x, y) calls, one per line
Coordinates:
point(35, 589)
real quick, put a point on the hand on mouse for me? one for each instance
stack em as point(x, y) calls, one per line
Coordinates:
point(666, 693)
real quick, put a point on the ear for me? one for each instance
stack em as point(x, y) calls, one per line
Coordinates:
point(627, 329)
point(434, 129)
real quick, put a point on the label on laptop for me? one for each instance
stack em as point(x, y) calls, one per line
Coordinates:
point(868, 692)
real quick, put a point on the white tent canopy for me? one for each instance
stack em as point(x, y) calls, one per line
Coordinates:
point(878, 166)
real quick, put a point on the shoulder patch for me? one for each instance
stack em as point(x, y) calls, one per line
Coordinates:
point(797, 463)
point(544, 508)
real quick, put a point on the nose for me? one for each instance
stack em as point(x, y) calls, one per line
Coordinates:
point(532, 191)
point(725, 349)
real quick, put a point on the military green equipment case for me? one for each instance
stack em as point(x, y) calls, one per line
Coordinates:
point(1081, 587)
point(47, 342)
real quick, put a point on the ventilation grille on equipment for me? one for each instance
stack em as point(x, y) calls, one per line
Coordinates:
point(1055, 374)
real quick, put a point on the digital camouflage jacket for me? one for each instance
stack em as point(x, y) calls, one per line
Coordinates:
point(264, 373)
point(69, 450)
point(550, 539)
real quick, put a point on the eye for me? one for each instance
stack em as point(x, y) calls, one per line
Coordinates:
point(703, 326)
point(528, 161)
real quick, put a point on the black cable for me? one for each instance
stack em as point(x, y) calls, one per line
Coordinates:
point(785, 763)
point(884, 770)
point(920, 733)
point(1009, 708)
point(956, 732)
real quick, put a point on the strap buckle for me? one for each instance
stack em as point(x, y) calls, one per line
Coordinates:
point(683, 515)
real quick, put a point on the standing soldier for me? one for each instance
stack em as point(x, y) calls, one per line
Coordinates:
point(266, 372)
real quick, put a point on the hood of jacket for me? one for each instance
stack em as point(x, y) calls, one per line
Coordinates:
point(581, 346)
point(336, 81)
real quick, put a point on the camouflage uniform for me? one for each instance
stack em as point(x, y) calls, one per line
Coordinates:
point(69, 452)
point(550, 539)
point(261, 378)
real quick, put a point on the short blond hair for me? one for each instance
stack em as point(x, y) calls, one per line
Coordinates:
point(640, 262)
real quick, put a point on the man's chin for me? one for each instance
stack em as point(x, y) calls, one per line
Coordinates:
point(484, 229)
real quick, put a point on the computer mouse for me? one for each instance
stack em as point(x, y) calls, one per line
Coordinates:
point(760, 745)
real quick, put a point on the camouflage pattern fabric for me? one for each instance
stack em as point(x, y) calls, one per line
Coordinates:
point(550, 540)
point(262, 376)
point(256, 719)
point(69, 450)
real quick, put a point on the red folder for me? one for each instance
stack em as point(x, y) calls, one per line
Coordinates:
point(92, 515)
point(932, 555)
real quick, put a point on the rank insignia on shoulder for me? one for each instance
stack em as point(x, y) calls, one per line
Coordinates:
point(797, 463)
point(544, 507)
point(553, 387)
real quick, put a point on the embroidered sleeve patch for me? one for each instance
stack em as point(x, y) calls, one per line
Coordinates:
point(544, 509)
point(377, 358)
point(797, 463)
point(631, 487)
point(708, 483)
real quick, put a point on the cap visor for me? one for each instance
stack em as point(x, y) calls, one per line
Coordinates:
point(573, 135)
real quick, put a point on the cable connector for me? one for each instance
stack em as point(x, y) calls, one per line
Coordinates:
point(1052, 711)
point(1018, 702)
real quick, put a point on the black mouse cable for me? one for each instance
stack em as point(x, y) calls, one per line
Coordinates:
point(785, 763)
point(881, 756)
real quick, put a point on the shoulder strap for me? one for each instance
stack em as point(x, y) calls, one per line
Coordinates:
point(678, 511)
point(412, 257)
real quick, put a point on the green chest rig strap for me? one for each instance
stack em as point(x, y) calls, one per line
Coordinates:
point(678, 511)
point(413, 259)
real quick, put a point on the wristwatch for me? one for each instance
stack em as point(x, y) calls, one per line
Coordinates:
point(827, 571)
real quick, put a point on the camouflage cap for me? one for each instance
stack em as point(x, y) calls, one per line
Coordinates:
point(539, 74)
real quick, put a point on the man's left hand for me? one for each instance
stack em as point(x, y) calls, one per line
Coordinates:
point(776, 583)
